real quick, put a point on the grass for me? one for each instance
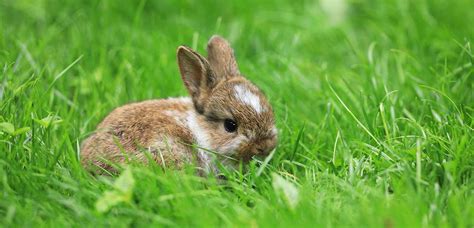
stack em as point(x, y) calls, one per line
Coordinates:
point(374, 103)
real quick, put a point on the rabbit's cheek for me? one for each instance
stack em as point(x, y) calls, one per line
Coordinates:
point(232, 146)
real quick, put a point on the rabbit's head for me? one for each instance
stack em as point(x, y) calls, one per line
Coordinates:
point(233, 117)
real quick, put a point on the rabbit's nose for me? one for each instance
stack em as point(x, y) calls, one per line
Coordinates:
point(258, 151)
point(263, 148)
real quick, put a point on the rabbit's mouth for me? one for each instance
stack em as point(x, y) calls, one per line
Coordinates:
point(246, 151)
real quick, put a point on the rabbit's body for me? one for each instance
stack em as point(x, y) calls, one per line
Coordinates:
point(157, 126)
point(225, 114)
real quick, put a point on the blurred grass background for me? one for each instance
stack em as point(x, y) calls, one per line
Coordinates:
point(373, 99)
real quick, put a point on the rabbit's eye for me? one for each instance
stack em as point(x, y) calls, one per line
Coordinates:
point(230, 125)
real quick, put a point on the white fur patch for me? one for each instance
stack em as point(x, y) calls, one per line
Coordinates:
point(185, 100)
point(247, 97)
point(274, 130)
point(202, 140)
point(233, 145)
point(179, 117)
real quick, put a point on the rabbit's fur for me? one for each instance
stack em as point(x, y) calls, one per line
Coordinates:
point(168, 128)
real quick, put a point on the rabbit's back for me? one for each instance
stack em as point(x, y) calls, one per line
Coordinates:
point(157, 126)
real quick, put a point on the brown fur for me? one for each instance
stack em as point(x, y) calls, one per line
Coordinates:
point(167, 128)
point(139, 125)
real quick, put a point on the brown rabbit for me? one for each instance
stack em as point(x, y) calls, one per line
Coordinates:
point(227, 118)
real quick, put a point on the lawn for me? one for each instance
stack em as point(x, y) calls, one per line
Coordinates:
point(374, 101)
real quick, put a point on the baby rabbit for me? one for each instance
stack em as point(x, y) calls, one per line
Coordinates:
point(226, 119)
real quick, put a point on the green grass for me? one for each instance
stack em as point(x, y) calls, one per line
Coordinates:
point(375, 111)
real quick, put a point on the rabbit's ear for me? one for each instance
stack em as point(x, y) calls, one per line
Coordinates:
point(221, 58)
point(196, 74)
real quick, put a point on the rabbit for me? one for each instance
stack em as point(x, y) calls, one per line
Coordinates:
point(226, 119)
